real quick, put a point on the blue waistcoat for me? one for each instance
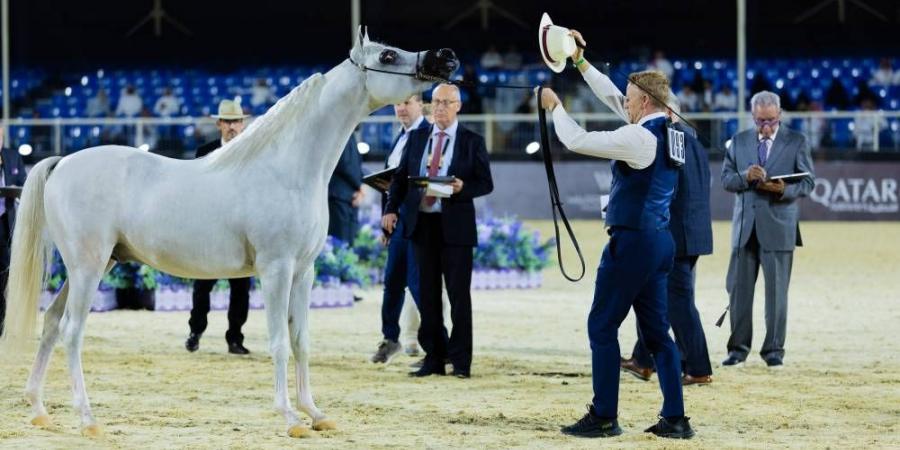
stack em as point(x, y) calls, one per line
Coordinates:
point(640, 199)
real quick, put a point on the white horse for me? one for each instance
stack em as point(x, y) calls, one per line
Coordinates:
point(257, 206)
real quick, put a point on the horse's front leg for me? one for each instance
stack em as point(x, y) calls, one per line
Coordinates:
point(276, 278)
point(299, 329)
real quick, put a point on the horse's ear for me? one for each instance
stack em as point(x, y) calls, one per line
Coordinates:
point(360, 36)
point(365, 36)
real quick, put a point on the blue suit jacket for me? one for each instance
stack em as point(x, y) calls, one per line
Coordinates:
point(470, 164)
point(423, 125)
point(691, 221)
point(14, 175)
point(347, 176)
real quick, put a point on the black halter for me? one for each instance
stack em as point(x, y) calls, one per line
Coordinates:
point(419, 74)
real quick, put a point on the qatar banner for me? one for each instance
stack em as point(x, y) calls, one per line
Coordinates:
point(845, 190)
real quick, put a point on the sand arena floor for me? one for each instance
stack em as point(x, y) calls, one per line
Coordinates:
point(840, 387)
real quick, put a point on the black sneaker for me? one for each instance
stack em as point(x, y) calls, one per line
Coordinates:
point(193, 342)
point(679, 428)
point(593, 426)
point(237, 348)
point(774, 362)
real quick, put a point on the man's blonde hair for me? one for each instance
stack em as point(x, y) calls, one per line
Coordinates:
point(653, 82)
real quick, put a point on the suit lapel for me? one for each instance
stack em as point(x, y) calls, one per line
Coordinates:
point(457, 149)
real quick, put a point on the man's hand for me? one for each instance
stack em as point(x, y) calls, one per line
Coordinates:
point(774, 186)
point(357, 198)
point(457, 185)
point(549, 100)
point(388, 222)
point(756, 173)
point(579, 52)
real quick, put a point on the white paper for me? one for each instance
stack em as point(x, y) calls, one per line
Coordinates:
point(439, 190)
point(789, 176)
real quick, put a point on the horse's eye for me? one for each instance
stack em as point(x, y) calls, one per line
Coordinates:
point(388, 57)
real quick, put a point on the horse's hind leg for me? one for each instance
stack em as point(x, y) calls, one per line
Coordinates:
point(34, 389)
point(83, 279)
point(299, 329)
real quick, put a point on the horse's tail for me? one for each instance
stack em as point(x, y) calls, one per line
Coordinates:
point(29, 257)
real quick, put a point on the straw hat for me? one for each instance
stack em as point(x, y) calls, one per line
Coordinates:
point(230, 110)
point(556, 44)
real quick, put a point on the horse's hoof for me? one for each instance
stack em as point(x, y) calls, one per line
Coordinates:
point(42, 421)
point(299, 431)
point(325, 425)
point(92, 431)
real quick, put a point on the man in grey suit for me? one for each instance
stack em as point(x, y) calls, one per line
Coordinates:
point(765, 226)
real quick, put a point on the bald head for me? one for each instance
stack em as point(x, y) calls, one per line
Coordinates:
point(446, 102)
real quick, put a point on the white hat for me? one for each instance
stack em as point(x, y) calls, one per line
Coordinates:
point(556, 44)
point(230, 110)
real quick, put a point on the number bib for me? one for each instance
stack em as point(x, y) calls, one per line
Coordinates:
point(675, 144)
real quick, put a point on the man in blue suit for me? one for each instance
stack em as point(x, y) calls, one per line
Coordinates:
point(400, 269)
point(691, 228)
point(344, 194)
point(12, 173)
point(637, 260)
point(442, 229)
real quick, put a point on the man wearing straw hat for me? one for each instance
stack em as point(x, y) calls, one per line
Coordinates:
point(230, 122)
point(639, 255)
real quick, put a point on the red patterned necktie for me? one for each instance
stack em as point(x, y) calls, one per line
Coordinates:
point(435, 163)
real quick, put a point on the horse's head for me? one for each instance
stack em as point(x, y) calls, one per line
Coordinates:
point(392, 74)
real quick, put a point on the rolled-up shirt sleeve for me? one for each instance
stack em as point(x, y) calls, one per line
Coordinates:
point(631, 144)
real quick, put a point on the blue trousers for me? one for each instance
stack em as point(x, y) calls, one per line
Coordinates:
point(400, 271)
point(685, 320)
point(632, 272)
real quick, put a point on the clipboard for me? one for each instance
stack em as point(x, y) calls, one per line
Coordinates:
point(425, 180)
point(380, 181)
point(10, 191)
point(790, 177)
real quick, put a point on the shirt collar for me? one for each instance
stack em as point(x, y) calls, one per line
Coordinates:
point(451, 130)
point(414, 125)
point(651, 116)
point(774, 135)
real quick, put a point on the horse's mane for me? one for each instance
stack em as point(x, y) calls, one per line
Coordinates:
point(259, 134)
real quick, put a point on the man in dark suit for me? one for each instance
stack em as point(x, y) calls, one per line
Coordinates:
point(400, 269)
point(442, 229)
point(230, 123)
point(12, 173)
point(765, 224)
point(691, 227)
point(344, 194)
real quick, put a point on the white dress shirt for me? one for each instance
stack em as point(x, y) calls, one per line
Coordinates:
point(449, 142)
point(632, 144)
point(397, 152)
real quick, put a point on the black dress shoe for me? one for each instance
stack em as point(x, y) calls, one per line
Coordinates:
point(427, 370)
point(193, 342)
point(237, 348)
point(733, 360)
point(675, 428)
point(592, 426)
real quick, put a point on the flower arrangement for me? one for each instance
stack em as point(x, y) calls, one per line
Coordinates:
point(337, 264)
point(504, 244)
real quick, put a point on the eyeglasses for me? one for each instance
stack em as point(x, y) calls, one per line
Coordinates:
point(766, 122)
point(444, 103)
